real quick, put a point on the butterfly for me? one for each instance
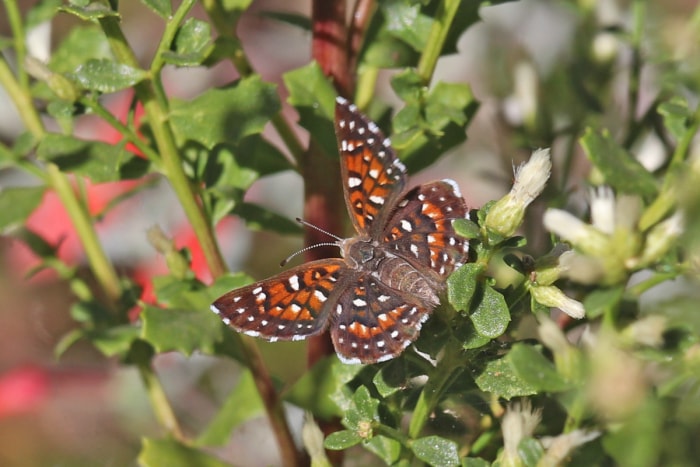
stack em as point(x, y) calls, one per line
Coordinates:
point(375, 298)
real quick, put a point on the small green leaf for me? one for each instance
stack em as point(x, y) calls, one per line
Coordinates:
point(303, 22)
point(160, 452)
point(16, 205)
point(621, 171)
point(499, 378)
point(530, 451)
point(100, 162)
point(242, 404)
point(313, 96)
point(365, 405)
point(533, 368)
point(406, 21)
point(107, 76)
point(491, 316)
point(342, 439)
point(475, 462)
point(387, 449)
point(391, 378)
point(181, 330)
point(162, 8)
point(193, 43)
point(225, 115)
point(675, 113)
point(260, 218)
point(114, 341)
point(82, 44)
point(466, 228)
point(462, 284)
point(42, 11)
point(436, 451)
point(92, 11)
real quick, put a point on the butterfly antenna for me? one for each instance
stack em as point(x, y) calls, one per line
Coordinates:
point(286, 260)
point(307, 224)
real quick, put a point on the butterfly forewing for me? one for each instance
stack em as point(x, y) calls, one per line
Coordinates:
point(289, 306)
point(371, 172)
point(373, 323)
point(421, 231)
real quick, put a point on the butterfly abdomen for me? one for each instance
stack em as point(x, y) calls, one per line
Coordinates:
point(400, 275)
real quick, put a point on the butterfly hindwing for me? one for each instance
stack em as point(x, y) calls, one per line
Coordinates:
point(373, 323)
point(421, 231)
point(288, 306)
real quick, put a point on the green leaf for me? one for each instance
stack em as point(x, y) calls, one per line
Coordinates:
point(113, 341)
point(602, 300)
point(426, 128)
point(462, 284)
point(313, 96)
point(229, 167)
point(466, 228)
point(42, 11)
point(242, 404)
point(311, 390)
point(675, 113)
point(361, 412)
point(387, 449)
point(491, 316)
point(94, 10)
point(162, 8)
point(436, 451)
point(225, 115)
point(82, 44)
point(533, 368)
point(181, 330)
point(405, 20)
point(499, 378)
point(193, 44)
point(621, 171)
point(342, 439)
point(260, 218)
point(107, 76)
point(302, 22)
point(530, 451)
point(160, 452)
point(391, 378)
point(16, 204)
point(475, 462)
point(98, 161)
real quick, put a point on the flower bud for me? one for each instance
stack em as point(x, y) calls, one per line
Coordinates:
point(552, 296)
point(506, 215)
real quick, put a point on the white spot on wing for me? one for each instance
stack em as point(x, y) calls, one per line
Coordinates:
point(354, 181)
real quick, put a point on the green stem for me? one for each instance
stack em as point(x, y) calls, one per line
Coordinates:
point(159, 401)
point(22, 99)
point(447, 9)
point(18, 35)
point(99, 262)
point(165, 141)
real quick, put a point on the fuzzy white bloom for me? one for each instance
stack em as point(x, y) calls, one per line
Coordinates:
point(518, 422)
point(603, 209)
point(574, 230)
point(551, 336)
point(559, 447)
point(507, 214)
point(648, 330)
point(552, 296)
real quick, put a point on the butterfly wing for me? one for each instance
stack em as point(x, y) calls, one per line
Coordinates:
point(372, 175)
point(289, 306)
point(374, 323)
point(420, 229)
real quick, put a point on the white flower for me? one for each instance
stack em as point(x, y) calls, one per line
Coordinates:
point(559, 447)
point(519, 422)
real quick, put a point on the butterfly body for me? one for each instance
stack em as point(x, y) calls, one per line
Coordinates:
point(375, 298)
